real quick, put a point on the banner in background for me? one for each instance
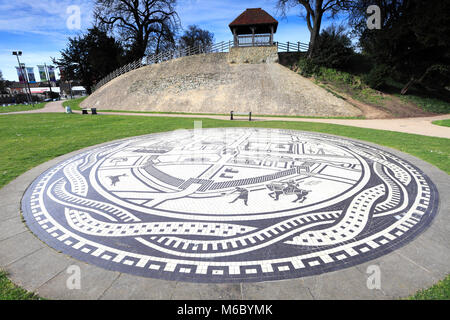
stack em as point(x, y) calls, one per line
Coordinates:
point(51, 73)
point(61, 74)
point(31, 77)
point(20, 74)
point(42, 73)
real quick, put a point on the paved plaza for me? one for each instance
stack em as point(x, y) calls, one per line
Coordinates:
point(233, 205)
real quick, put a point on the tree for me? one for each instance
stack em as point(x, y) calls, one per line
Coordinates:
point(313, 11)
point(334, 48)
point(195, 37)
point(2, 83)
point(90, 57)
point(138, 22)
point(414, 39)
point(164, 38)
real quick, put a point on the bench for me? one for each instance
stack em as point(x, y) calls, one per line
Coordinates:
point(93, 111)
point(233, 114)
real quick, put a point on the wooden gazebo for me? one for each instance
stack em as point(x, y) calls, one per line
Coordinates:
point(253, 27)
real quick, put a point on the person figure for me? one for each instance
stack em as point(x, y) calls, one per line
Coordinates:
point(291, 186)
point(115, 179)
point(243, 194)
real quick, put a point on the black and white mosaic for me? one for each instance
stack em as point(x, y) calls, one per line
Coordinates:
point(233, 204)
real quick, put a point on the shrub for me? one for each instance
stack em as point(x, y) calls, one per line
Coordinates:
point(377, 77)
point(307, 67)
point(333, 48)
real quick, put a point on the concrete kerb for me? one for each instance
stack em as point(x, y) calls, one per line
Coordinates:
point(37, 267)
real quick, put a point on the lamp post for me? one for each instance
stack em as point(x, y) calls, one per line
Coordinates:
point(30, 97)
point(71, 94)
point(47, 74)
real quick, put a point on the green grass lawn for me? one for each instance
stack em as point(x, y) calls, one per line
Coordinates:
point(74, 104)
point(31, 139)
point(444, 123)
point(440, 291)
point(21, 107)
point(9, 291)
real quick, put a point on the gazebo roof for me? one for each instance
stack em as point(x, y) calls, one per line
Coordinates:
point(256, 17)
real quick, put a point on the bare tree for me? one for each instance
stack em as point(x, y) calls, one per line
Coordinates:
point(138, 22)
point(164, 38)
point(195, 37)
point(313, 11)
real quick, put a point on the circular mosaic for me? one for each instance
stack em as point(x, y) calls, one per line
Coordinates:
point(232, 204)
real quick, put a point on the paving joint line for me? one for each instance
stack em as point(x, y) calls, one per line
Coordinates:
point(15, 235)
point(415, 263)
point(51, 278)
point(109, 287)
point(10, 218)
point(25, 256)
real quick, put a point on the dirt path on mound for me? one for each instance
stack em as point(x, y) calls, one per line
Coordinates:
point(391, 106)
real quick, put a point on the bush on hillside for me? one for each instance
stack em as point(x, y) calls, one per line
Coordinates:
point(333, 51)
point(307, 67)
point(377, 77)
point(334, 48)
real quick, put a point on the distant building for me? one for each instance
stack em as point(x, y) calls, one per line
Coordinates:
point(15, 87)
point(43, 90)
point(72, 88)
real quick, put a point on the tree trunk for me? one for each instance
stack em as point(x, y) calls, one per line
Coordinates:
point(407, 86)
point(158, 44)
point(315, 33)
point(414, 81)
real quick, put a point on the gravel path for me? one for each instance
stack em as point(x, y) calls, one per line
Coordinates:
point(422, 125)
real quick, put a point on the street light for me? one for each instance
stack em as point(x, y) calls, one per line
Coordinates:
point(30, 97)
point(47, 74)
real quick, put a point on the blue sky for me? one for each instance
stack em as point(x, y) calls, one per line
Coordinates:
point(38, 27)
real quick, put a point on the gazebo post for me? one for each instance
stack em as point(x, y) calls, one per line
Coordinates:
point(271, 36)
point(253, 36)
point(235, 39)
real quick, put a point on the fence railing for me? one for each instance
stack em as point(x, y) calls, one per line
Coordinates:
point(292, 46)
point(257, 40)
point(223, 46)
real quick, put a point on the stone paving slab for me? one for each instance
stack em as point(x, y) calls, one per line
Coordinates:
point(10, 252)
point(35, 266)
point(347, 284)
point(93, 285)
point(400, 277)
point(10, 227)
point(293, 289)
point(137, 288)
point(203, 291)
point(36, 269)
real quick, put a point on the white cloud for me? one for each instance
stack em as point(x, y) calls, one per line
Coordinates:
point(34, 16)
point(216, 15)
point(46, 19)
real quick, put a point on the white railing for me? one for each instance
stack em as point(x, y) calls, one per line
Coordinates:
point(257, 40)
point(223, 46)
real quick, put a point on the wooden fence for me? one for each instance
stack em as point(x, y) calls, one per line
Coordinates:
point(292, 47)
